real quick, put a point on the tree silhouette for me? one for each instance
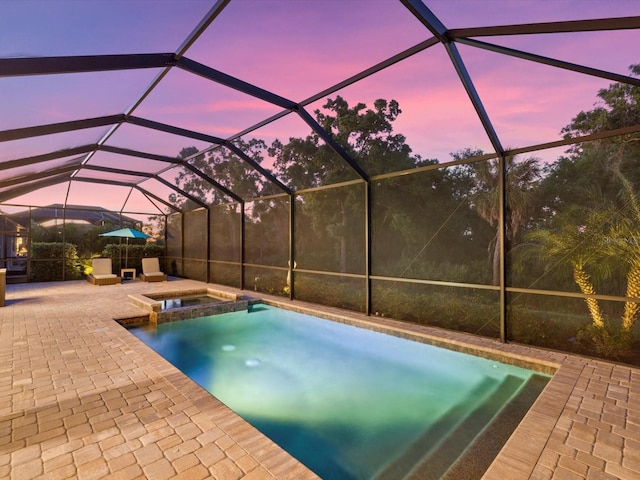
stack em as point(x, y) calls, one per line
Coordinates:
point(521, 180)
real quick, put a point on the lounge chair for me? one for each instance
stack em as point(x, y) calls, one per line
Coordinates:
point(102, 272)
point(151, 271)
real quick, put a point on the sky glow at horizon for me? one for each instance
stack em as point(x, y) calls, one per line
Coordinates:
point(296, 49)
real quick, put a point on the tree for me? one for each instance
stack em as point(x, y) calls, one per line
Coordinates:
point(337, 216)
point(584, 175)
point(593, 213)
point(606, 245)
point(619, 107)
point(521, 180)
point(601, 176)
point(576, 246)
point(224, 166)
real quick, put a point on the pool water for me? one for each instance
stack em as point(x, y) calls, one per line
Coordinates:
point(347, 402)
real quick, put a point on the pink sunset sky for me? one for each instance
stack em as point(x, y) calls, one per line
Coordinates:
point(296, 49)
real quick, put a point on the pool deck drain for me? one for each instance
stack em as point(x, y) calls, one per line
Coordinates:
point(82, 398)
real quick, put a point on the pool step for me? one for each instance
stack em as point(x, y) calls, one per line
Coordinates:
point(475, 460)
point(133, 320)
point(433, 453)
point(438, 461)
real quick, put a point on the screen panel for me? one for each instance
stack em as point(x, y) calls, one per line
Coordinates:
point(267, 232)
point(332, 290)
point(174, 245)
point(471, 310)
point(427, 225)
point(195, 235)
point(329, 227)
point(594, 327)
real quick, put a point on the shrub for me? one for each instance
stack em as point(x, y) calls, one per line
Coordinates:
point(48, 259)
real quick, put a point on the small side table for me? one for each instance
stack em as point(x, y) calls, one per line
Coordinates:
point(128, 273)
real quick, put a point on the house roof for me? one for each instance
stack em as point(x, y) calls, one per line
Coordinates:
point(90, 214)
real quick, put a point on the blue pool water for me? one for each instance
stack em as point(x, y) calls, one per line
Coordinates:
point(347, 402)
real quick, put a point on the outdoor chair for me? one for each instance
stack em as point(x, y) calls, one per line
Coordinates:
point(151, 271)
point(102, 272)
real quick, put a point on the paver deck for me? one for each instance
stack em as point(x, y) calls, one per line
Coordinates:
point(82, 398)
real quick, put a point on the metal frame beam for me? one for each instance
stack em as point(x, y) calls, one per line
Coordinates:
point(435, 26)
point(183, 132)
point(257, 166)
point(234, 83)
point(345, 83)
point(24, 189)
point(328, 139)
point(211, 15)
point(409, 52)
point(118, 171)
point(470, 88)
point(137, 153)
point(20, 67)
point(209, 179)
point(115, 120)
point(173, 161)
point(39, 130)
point(37, 176)
point(571, 26)
point(427, 18)
point(210, 139)
point(148, 194)
point(23, 162)
point(124, 184)
point(99, 181)
point(195, 200)
point(550, 61)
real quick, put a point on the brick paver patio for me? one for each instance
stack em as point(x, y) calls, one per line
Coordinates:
point(82, 398)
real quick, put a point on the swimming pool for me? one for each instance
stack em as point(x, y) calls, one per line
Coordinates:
point(347, 402)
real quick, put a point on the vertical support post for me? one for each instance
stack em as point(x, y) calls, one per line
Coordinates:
point(292, 256)
point(502, 216)
point(208, 269)
point(166, 244)
point(242, 285)
point(367, 244)
point(64, 242)
point(29, 243)
point(3, 283)
point(182, 221)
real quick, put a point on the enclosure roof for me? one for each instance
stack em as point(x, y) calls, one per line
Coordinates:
point(100, 98)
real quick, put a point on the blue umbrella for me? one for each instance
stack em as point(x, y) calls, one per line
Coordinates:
point(126, 233)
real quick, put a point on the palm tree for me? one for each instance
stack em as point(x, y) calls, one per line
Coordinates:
point(624, 243)
point(576, 246)
point(608, 237)
point(521, 180)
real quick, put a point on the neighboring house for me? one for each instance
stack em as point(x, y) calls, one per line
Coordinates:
point(15, 228)
point(56, 213)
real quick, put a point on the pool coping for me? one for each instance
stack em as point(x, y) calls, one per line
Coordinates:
point(61, 353)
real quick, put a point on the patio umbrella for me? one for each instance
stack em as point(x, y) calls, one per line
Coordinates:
point(126, 233)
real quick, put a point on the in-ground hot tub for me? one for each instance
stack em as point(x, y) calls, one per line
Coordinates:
point(180, 305)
